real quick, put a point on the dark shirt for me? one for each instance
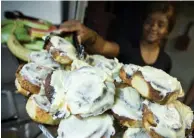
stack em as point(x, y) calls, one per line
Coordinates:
point(131, 54)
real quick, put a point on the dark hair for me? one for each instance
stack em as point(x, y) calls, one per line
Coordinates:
point(163, 7)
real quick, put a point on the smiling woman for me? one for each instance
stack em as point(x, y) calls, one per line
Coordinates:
point(158, 22)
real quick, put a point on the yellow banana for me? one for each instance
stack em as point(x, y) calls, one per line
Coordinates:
point(17, 49)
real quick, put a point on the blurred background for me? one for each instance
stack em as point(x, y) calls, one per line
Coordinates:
point(102, 17)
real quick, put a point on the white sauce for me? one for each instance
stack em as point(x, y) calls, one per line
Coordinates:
point(91, 127)
point(88, 92)
point(136, 133)
point(128, 103)
point(160, 80)
point(34, 73)
point(43, 58)
point(64, 46)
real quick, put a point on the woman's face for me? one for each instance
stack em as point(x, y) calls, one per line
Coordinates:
point(155, 27)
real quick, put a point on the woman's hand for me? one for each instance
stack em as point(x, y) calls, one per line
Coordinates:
point(85, 35)
point(93, 42)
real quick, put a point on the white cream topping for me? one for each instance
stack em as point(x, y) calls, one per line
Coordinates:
point(42, 102)
point(160, 80)
point(76, 64)
point(136, 133)
point(64, 46)
point(110, 66)
point(58, 103)
point(128, 103)
point(91, 127)
point(187, 117)
point(43, 58)
point(34, 73)
point(169, 121)
point(130, 69)
point(88, 92)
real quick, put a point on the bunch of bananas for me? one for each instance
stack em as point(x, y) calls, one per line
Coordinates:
point(24, 35)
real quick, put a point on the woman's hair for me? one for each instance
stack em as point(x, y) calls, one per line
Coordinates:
point(163, 7)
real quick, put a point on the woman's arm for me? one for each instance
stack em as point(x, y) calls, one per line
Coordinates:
point(94, 43)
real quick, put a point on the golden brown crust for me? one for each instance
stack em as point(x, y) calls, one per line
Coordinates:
point(151, 93)
point(21, 90)
point(61, 59)
point(58, 57)
point(148, 121)
point(39, 115)
point(124, 77)
point(127, 122)
point(26, 85)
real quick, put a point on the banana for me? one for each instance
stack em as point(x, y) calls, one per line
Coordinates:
point(20, 31)
point(5, 22)
point(17, 49)
point(37, 45)
point(35, 24)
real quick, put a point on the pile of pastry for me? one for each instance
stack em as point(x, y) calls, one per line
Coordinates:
point(87, 97)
